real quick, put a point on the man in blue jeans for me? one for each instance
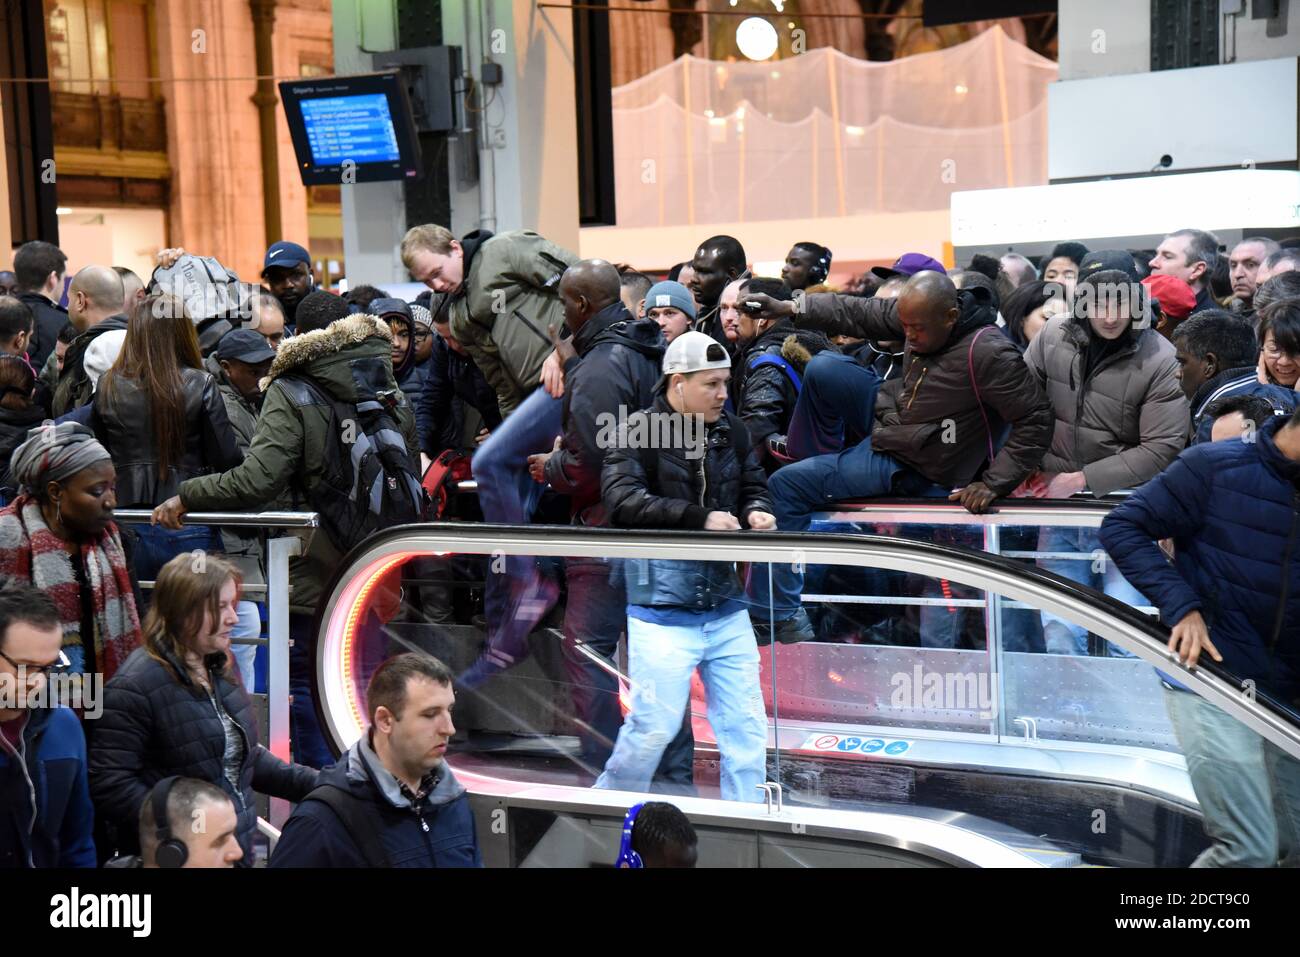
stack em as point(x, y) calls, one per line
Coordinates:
point(1232, 510)
point(932, 431)
point(687, 463)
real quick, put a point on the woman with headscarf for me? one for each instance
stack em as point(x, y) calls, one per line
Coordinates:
point(59, 535)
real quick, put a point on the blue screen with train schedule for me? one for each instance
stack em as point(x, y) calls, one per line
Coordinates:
point(357, 128)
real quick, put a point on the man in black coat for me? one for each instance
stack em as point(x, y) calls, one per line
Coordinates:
point(687, 463)
point(40, 268)
point(611, 366)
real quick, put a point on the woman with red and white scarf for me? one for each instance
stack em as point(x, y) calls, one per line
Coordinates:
point(59, 535)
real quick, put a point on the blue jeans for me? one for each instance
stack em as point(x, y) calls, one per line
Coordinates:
point(661, 659)
point(595, 616)
point(802, 488)
point(305, 735)
point(838, 398)
point(1248, 788)
point(250, 626)
point(156, 546)
point(1097, 571)
point(516, 595)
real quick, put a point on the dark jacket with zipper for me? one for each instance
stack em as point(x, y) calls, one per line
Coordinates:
point(507, 308)
point(50, 320)
point(46, 818)
point(158, 722)
point(1121, 421)
point(123, 422)
point(14, 426)
point(74, 388)
point(436, 830)
point(1233, 512)
point(617, 367)
point(929, 417)
point(764, 397)
point(644, 487)
point(1243, 380)
point(454, 382)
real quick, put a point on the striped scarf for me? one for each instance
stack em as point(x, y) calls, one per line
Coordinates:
point(29, 551)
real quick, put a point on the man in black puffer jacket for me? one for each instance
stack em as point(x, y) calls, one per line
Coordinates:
point(686, 463)
point(767, 375)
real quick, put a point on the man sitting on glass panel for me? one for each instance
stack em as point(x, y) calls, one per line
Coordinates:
point(687, 463)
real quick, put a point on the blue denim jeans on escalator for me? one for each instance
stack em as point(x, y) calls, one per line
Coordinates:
point(518, 595)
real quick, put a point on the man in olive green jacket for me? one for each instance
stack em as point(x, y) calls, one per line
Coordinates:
point(504, 309)
point(288, 452)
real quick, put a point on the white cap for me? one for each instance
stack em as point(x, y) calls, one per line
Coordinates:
point(694, 352)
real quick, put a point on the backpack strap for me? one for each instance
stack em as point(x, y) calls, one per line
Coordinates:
point(782, 363)
point(970, 369)
point(360, 824)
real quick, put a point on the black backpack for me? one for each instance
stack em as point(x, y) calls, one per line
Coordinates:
point(369, 482)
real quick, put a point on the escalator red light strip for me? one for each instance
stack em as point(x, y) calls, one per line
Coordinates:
point(350, 631)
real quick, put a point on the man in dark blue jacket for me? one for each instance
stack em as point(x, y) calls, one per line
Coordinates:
point(1218, 357)
point(1232, 509)
point(46, 818)
point(391, 800)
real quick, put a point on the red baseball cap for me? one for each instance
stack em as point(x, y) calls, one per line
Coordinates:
point(1175, 297)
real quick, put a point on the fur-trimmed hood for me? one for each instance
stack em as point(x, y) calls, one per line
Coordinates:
point(799, 348)
point(298, 352)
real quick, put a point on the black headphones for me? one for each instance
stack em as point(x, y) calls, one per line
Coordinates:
point(171, 852)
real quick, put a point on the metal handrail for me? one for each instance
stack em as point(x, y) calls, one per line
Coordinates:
point(1100, 614)
point(234, 519)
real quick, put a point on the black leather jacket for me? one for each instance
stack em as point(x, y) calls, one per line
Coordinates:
point(124, 424)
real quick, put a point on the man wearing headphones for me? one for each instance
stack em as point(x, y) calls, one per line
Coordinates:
point(806, 266)
point(186, 822)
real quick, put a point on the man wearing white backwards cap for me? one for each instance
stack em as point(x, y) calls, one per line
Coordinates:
point(686, 463)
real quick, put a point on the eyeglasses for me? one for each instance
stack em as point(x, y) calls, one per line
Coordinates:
point(62, 663)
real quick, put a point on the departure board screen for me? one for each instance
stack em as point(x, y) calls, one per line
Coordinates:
point(357, 128)
point(351, 129)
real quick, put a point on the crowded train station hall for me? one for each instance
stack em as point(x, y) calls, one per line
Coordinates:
point(500, 434)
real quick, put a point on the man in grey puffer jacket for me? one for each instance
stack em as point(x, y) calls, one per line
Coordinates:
point(1121, 417)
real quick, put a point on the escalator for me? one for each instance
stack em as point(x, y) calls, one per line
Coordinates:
point(926, 724)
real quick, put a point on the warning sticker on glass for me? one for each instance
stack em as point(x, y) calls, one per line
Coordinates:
point(849, 744)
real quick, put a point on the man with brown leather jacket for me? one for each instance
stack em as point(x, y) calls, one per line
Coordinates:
point(936, 428)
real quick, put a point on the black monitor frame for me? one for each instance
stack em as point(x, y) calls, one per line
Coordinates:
point(390, 84)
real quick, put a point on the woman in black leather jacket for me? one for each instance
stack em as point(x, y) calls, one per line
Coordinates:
point(177, 707)
point(162, 419)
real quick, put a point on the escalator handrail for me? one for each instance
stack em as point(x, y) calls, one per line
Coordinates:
point(1111, 619)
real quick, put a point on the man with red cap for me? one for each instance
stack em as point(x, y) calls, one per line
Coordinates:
point(1173, 300)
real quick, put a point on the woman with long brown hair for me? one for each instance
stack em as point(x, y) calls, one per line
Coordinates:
point(177, 707)
point(161, 417)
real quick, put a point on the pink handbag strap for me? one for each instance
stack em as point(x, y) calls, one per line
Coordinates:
point(970, 368)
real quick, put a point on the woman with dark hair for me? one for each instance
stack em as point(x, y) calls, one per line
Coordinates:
point(161, 417)
point(19, 414)
point(176, 708)
point(1279, 343)
point(60, 536)
point(1028, 307)
point(806, 265)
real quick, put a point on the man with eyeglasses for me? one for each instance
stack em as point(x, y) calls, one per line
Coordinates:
point(46, 818)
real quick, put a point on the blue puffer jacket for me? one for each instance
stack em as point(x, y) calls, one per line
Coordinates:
point(55, 767)
point(1233, 511)
point(438, 831)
